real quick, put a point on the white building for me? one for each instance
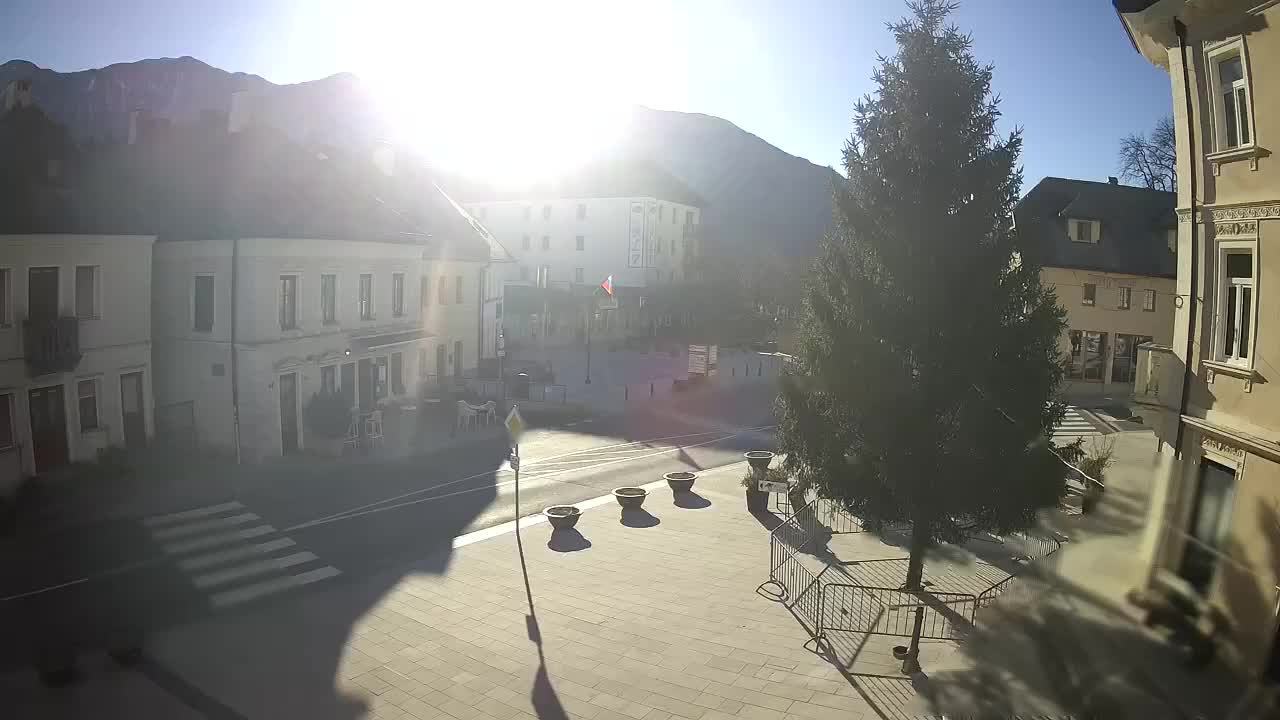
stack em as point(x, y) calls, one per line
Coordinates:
point(625, 219)
point(75, 349)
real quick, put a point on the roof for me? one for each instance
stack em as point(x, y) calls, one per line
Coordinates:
point(1134, 224)
point(609, 177)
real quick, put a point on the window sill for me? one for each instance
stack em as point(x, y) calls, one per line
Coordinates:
point(1248, 152)
point(1214, 367)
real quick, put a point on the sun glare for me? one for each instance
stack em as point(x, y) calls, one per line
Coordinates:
point(506, 90)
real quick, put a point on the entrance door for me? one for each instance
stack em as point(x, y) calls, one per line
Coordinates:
point(48, 428)
point(131, 410)
point(457, 358)
point(42, 293)
point(348, 389)
point(366, 384)
point(289, 413)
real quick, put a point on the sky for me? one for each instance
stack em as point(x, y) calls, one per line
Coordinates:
point(517, 82)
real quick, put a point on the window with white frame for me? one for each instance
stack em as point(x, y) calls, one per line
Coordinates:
point(578, 274)
point(1083, 231)
point(329, 299)
point(366, 296)
point(288, 302)
point(6, 422)
point(1148, 300)
point(1235, 305)
point(1232, 104)
point(1125, 298)
point(87, 291)
point(87, 392)
point(1090, 295)
point(397, 294)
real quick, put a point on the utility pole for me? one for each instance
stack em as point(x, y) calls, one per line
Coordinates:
point(589, 314)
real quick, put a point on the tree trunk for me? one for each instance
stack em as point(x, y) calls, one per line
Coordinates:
point(915, 576)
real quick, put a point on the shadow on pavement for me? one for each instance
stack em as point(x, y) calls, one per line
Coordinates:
point(638, 518)
point(690, 501)
point(568, 540)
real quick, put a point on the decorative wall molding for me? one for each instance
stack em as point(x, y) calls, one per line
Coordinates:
point(1255, 211)
point(1221, 448)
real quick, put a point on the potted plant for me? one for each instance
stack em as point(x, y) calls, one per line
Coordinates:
point(681, 481)
point(630, 498)
point(757, 499)
point(759, 460)
point(328, 418)
point(562, 517)
point(1092, 467)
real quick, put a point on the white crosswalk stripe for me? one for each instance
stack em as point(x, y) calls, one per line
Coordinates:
point(1073, 425)
point(225, 548)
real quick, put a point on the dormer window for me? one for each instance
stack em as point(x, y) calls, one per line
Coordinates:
point(1083, 231)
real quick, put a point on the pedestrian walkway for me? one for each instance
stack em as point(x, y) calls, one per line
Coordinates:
point(231, 556)
point(1075, 424)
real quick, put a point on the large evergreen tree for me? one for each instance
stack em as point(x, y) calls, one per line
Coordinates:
point(928, 347)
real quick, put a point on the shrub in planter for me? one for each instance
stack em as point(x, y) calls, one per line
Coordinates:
point(757, 499)
point(1094, 465)
point(328, 416)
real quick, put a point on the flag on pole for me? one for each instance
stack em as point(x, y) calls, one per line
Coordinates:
point(608, 285)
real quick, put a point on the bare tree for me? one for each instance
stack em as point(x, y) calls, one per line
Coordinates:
point(1149, 159)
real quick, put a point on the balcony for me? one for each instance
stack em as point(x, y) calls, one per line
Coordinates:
point(51, 345)
point(1158, 381)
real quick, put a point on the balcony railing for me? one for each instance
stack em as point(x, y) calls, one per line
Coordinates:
point(1158, 379)
point(51, 345)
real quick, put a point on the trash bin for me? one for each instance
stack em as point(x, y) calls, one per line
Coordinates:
point(521, 389)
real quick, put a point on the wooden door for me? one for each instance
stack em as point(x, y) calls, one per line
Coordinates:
point(132, 410)
point(48, 427)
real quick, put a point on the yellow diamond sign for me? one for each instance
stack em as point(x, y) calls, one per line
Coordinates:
point(515, 425)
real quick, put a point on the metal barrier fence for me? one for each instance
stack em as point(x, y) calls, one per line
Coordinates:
point(800, 588)
point(891, 611)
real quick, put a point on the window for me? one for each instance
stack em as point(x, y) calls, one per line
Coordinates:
point(662, 211)
point(1083, 231)
point(87, 391)
point(6, 421)
point(1095, 355)
point(524, 242)
point(1149, 300)
point(1124, 363)
point(580, 243)
point(1171, 239)
point(329, 379)
point(582, 211)
point(1210, 512)
point(86, 291)
point(1125, 299)
point(5, 285)
point(524, 272)
point(673, 216)
point(442, 290)
point(397, 294)
point(366, 297)
point(546, 212)
point(688, 217)
point(329, 299)
point(1233, 121)
point(546, 242)
point(397, 373)
point(424, 295)
point(457, 290)
point(202, 304)
point(1090, 293)
point(1235, 303)
point(578, 274)
point(380, 378)
point(422, 362)
point(288, 302)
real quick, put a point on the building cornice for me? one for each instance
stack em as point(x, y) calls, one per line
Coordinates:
point(1263, 210)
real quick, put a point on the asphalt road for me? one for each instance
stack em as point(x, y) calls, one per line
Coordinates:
point(328, 522)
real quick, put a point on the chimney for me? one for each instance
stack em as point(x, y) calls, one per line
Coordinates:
point(1113, 180)
point(139, 123)
point(384, 156)
point(240, 115)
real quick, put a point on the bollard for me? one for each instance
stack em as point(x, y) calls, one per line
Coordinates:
point(626, 392)
point(735, 372)
point(650, 389)
point(760, 369)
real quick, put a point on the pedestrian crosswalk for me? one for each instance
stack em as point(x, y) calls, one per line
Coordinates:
point(232, 555)
point(1074, 425)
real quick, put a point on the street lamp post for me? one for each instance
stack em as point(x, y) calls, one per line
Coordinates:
point(589, 313)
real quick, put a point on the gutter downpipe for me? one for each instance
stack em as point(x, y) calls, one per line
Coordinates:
point(235, 364)
point(1181, 31)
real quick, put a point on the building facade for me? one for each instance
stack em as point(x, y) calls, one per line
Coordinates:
point(75, 349)
point(1214, 525)
point(1108, 253)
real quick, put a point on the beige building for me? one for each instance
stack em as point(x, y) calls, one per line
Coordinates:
point(1107, 251)
point(1214, 528)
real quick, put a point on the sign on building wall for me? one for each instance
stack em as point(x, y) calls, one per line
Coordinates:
point(635, 248)
point(650, 234)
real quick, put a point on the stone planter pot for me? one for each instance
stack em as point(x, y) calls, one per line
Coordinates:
point(630, 498)
point(680, 482)
point(562, 517)
point(759, 460)
point(757, 501)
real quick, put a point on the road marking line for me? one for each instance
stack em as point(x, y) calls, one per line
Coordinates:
point(254, 568)
point(191, 514)
point(267, 587)
point(217, 558)
point(178, 531)
point(214, 540)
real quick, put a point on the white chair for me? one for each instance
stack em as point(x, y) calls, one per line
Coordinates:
point(373, 428)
